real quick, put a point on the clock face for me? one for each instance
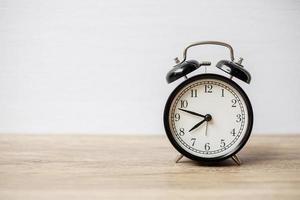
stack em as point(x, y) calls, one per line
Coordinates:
point(208, 117)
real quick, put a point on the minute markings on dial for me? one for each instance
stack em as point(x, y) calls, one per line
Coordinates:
point(226, 88)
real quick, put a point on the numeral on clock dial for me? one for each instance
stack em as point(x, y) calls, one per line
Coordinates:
point(238, 118)
point(222, 143)
point(233, 132)
point(177, 117)
point(183, 103)
point(207, 146)
point(193, 140)
point(208, 88)
point(233, 101)
point(194, 92)
point(181, 132)
point(222, 95)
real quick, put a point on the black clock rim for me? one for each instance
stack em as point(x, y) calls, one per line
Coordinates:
point(168, 106)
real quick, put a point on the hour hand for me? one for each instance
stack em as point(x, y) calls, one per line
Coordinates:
point(191, 112)
point(197, 125)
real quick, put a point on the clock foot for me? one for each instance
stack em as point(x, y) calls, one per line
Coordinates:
point(178, 158)
point(236, 159)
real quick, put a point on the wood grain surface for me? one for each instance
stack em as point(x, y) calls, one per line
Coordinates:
point(142, 167)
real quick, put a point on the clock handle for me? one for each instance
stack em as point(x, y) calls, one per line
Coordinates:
point(209, 42)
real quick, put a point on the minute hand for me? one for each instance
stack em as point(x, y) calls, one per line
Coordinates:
point(191, 112)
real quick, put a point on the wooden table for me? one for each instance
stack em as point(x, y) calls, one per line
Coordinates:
point(142, 167)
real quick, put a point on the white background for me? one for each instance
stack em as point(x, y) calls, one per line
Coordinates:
point(98, 67)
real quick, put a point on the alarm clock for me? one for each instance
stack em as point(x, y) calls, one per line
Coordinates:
point(208, 117)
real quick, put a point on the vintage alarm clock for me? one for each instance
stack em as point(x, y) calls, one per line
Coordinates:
point(208, 117)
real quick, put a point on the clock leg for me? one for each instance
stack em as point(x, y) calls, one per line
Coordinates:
point(236, 159)
point(178, 158)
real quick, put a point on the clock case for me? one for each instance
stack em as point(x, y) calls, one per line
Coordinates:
point(215, 77)
point(233, 69)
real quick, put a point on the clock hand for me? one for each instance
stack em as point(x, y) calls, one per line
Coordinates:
point(206, 128)
point(191, 112)
point(207, 118)
point(197, 125)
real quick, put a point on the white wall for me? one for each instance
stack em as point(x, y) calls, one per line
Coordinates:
point(99, 66)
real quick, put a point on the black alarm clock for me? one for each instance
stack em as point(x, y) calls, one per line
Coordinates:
point(208, 117)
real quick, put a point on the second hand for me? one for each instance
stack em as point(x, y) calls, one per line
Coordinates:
point(206, 128)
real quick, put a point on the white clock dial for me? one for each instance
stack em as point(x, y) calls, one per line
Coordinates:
point(209, 118)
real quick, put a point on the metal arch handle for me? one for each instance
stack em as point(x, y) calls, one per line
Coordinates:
point(209, 42)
